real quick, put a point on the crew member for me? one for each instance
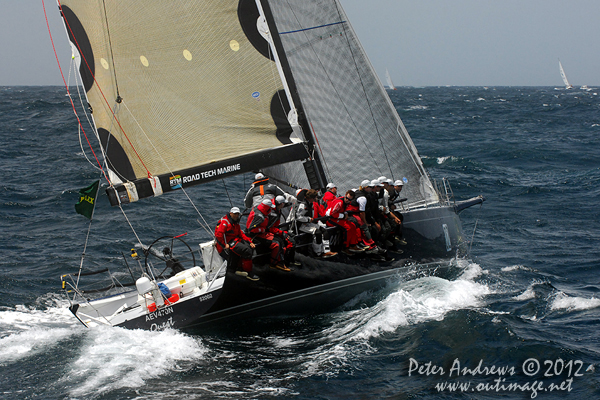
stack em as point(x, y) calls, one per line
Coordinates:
point(330, 194)
point(257, 227)
point(307, 214)
point(233, 245)
point(339, 217)
point(261, 189)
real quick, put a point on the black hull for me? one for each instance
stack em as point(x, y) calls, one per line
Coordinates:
point(178, 315)
point(320, 285)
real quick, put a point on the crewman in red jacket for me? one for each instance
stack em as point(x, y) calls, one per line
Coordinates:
point(329, 195)
point(264, 233)
point(339, 217)
point(233, 245)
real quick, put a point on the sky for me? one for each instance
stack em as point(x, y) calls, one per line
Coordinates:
point(421, 42)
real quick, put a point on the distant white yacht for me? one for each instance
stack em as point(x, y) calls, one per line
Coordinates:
point(388, 78)
point(564, 77)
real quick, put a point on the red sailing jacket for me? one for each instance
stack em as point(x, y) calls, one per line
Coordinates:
point(336, 208)
point(258, 222)
point(327, 198)
point(226, 231)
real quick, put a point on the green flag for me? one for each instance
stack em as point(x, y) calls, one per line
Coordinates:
point(87, 200)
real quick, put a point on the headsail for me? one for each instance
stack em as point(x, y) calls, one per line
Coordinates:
point(181, 95)
point(388, 78)
point(358, 132)
point(564, 76)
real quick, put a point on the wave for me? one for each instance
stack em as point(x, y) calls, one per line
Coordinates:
point(562, 301)
point(106, 359)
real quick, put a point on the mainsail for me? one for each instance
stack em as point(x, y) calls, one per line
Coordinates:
point(388, 78)
point(181, 94)
point(212, 88)
point(358, 132)
point(564, 76)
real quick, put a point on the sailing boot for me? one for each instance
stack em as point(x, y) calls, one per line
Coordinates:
point(326, 251)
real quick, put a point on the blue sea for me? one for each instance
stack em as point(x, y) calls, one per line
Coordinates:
point(521, 321)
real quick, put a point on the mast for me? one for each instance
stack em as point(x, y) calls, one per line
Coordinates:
point(313, 166)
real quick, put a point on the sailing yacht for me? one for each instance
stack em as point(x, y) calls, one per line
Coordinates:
point(211, 89)
point(564, 76)
point(388, 78)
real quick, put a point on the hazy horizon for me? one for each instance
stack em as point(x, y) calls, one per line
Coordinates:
point(423, 44)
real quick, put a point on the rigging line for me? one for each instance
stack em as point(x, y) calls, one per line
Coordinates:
point(320, 150)
point(79, 128)
point(207, 227)
point(475, 227)
point(87, 236)
point(364, 91)
point(131, 226)
point(112, 57)
point(227, 191)
point(335, 90)
point(99, 88)
point(67, 88)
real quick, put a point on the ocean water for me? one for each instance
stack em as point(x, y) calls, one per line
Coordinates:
point(521, 321)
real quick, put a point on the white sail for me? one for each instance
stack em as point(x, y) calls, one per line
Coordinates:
point(388, 78)
point(564, 76)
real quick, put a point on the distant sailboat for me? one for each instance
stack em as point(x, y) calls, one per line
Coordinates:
point(564, 77)
point(388, 78)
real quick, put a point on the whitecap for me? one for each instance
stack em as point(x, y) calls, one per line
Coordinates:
point(528, 294)
point(563, 301)
point(425, 299)
point(132, 357)
point(515, 268)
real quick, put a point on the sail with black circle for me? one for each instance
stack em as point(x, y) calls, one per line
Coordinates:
point(181, 94)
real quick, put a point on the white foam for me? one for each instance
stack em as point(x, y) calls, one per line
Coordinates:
point(515, 268)
point(564, 302)
point(108, 358)
point(25, 332)
point(425, 299)
point(528, 294)
point(113, 358)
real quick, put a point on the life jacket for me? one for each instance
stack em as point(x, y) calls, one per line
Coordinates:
point(261, 190)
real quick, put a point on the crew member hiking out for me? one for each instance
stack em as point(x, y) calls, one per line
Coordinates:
point(233, 245)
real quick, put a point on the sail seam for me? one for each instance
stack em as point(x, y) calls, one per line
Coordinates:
point(314, 27)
